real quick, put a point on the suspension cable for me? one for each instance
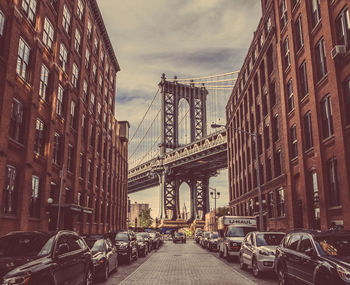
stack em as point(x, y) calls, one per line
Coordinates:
point(206, 77)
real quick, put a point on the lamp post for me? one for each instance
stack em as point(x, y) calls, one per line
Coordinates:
point(215, 195)
point(254, 135)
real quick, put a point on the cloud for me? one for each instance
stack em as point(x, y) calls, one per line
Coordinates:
point(176, 37)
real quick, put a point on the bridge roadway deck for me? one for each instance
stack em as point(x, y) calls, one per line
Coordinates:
point(185, 264)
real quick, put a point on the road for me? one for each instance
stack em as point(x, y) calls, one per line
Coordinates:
point(184, 264)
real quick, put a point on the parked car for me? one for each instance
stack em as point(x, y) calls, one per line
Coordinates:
point(55, 258)
point(258, 251)
point(155, 240)
point(198, 235)
point(104, 255)
point(147, 239)
point(142, 245)
point(126, 245)
point(212, 243)
point(314, 257)
point(179, 237)
point(204, 239)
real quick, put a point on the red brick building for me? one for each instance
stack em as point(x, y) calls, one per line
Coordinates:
point(57, 96)
point(301, 75)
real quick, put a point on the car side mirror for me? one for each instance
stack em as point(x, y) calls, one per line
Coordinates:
point(62, 249)
point(310, 252)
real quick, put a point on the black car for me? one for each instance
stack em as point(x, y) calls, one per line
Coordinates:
point(212, 243)
point(142, 245)
point(147, 239)
point(314, 257)
point(58, 258)
point(126, 245)
point(179, 237)
point(104, 255)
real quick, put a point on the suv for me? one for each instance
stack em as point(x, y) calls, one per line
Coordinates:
point(181, 237)
point(126, 245)
point(314, 257)
point(45, 258)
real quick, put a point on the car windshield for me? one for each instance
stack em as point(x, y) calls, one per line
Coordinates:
point(268, 239)
point(152, 235)
point(139, 238)
point(95, 245)
point(239, 231)
point(179, 234)
point(334, 246)
point(214, 235)
point(26, 245)
point(206, 234)
point(145, 235)
point(122, 237)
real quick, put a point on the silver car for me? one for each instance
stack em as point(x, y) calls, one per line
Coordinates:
point(258, 251)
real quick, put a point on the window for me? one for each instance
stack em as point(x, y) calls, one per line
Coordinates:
point(280, 203)
point(34, 208)
point(321, 66)
point(286, 53)
point(89, 29)
point(87, 58)
point(342, 26)
point(92, 103)
point(77, 40)
point(72, 115)
point(268, 25)
point(316, 13)
point(80, 9)
point(62, 58)
point(294, 2)
point(290, 95)
point(81, 165)
point(270, 205)
point(267, 137)
point(70, 158)
point(22, 59)
point(10, 191)
point(278, 167)
point(75, 75)
point(44, 81)
point(59, 104)
point(326, 116)
point(284, 17)
point(2, 23)
point(315, 200)
point(305, 244)
point(94, 73)
point(268, 169)
point(83, 124)
point(303, 88)
point(16, 129)
point(272, 94)
point(98, 111)
point(293, 241)
point(333, 187)
point(89, 171)
point(95, 45)
point(308, 131)
point(346, 90)
point(48, 33)
point(57, 149)
point(293, 141)
point(29, 9)
point(39, 142)
point(66, 19)
point(299, 40)
point(85, 90)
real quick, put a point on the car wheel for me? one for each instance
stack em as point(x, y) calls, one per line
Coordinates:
point(105, 272)
point(282, 275)
point(242, 265)
point(88, 277)
point(255, 268)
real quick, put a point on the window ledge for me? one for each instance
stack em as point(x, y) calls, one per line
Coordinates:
point(33, 219)
point(317, 27)
point(294, 160)
point(305, 98)
point(328, 139)
point(300, 50)
point(309, 151)
point(296, 6)
point(287, 69)
point(9, 216)
point(322, 81)
point(335, 207)
point(16, 143)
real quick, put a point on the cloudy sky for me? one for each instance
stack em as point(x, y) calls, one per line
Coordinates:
point(187, 38)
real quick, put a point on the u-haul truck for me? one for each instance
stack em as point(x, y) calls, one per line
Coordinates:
point(232, 230)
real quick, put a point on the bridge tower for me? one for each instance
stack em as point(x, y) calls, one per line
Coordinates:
point(172, 93)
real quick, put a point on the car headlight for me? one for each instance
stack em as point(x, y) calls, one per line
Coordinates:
point(263, 252)
point(123, 245)
point(343, 273)
point(17, 280)
point(234, 244)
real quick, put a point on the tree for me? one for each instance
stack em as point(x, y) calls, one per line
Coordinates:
point(146, 220)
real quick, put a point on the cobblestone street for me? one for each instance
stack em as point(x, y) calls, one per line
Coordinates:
point(184, 264)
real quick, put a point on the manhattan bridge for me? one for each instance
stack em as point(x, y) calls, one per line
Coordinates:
point(175, 143)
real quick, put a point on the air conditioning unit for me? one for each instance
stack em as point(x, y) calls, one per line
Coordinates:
point(338, 50)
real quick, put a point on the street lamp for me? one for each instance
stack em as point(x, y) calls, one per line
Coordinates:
point(255, 138)
point(215, 195)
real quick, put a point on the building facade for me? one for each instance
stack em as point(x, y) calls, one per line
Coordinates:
point(135, 212)
point(309, 71)
point(63, 154)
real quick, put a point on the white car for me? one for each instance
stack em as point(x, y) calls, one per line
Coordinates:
point(258, 251)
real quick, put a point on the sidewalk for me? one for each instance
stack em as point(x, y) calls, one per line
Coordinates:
point(185, 264)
